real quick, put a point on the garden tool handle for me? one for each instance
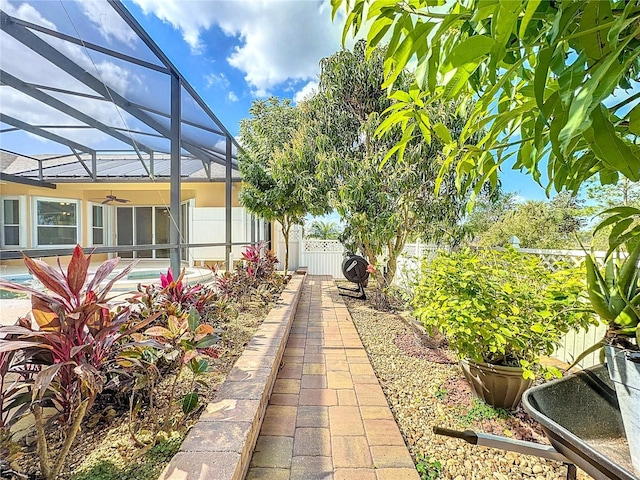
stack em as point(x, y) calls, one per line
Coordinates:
point(468, 435)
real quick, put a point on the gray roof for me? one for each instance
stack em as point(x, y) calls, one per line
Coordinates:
point(111, 168)
point(74, 94)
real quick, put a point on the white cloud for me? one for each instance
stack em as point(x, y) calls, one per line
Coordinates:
point(232, 97)
point(309, 90)
point(108, 22)
point(188, 16)
point(19, 61)
point(216, 80)
point(279, 40)
point(26, 12)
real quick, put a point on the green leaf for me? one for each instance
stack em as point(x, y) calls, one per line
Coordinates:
point(208, 341)
point(189, 402)
point(542, 69)
point(414, 38)
point(537, 328)
point(469, 51)
point(456, 82)
point(193, 319)
point(443, 132)
point(532, 6)
point(599, 85)
point(594, 43)
point(634, 120)
point(612, 150)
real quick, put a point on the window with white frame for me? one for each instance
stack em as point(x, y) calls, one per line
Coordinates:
point(97, 224)
point(11, 216)
point(57, 222)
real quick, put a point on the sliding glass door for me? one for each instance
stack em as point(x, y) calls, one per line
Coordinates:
point(143, 226)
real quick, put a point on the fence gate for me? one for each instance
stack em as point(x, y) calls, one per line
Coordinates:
point(322, 257)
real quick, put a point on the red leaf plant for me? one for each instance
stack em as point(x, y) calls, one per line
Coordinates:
point(74, 337)
point(174, 297)
point(255, 276)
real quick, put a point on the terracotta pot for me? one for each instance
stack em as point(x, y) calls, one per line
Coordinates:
point(497, 385)
point(625, 374)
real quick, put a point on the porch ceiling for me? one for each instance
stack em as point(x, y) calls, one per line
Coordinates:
point(86, 95)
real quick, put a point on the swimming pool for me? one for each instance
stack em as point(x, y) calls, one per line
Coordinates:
point(128, 283)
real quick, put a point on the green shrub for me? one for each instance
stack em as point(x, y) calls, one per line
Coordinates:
point(501, 307)
point(427, 467)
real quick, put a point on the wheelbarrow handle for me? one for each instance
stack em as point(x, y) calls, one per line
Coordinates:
point(468, 435)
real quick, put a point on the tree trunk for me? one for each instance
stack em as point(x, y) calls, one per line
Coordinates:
point(392, 265)
point(286, 226)
point(71, 436)
point(43, 451)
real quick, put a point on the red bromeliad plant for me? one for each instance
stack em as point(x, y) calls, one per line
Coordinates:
point(259, 262)
point(74, 337)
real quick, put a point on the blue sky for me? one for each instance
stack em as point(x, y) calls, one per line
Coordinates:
point(231, 51)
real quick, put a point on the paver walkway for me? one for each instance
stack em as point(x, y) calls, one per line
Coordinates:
point(327, 417)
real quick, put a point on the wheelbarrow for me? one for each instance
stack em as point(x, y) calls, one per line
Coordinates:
point(581, 418)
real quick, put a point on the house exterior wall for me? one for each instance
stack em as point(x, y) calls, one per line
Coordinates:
point(207, 195)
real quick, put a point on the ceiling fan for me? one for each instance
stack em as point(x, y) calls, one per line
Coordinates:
point(110, 198)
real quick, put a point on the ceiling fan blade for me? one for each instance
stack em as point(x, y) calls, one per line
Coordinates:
point(104, 202)
point(122, 200)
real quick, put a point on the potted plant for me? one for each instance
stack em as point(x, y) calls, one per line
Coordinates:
point(501, 312)
point(614, 291)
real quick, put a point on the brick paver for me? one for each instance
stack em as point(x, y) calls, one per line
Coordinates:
point(327, 417)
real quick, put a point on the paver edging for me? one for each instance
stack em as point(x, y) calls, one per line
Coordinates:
point(235, 417)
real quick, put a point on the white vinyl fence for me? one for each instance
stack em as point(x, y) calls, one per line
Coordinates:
point(324, 257)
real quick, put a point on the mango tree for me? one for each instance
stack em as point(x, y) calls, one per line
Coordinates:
point(278, 167)
point(381, 206)
point(553, 84)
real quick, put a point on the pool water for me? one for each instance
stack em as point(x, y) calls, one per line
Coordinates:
point(128, 283)
point(20, 279)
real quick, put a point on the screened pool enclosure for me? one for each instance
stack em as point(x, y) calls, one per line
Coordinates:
point(89, 102)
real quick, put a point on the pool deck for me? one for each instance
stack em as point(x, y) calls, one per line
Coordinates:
point(13, 308)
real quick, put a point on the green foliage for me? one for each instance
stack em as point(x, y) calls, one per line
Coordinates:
point(440, 392)
point(428, 468)
point(537, 224)
point(487, 210)
point(624, 193)
point(541, 74)
point(500, 307)
point(381, 205)
point(278, 166)
point(148, 466)
point(324, 230)
point(183, 342)
point(480, 411)
point(614, 292)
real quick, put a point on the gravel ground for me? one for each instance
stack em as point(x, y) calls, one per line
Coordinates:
point(425, 388)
